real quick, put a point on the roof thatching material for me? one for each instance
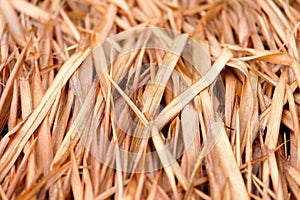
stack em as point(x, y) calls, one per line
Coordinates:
point(209, 110)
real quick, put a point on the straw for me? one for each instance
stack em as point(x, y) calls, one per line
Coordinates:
point(133, 99)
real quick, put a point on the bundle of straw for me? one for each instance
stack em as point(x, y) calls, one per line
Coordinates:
point(134, 99)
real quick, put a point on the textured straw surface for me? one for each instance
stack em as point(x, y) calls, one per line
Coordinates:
point(221, 124)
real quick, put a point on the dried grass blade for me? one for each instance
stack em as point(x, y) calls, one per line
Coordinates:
point(293, 186)
point(296, 69)
point(275, 20)
point(12, 120)
point(295, 153)
point(174, 107)
point(190, 131)
point(14, 25)
point(109, 192)
point(293, 172)
point(275, 57)
point(29, 194)
point(88, 189)
point(26, 98)
point(61, 121)
point(75, 179)
point(34, 120)
point(107, 23)
point(12, 76)
point(72, 27)
point(77, 129)
point(224, 157)
point(31, 10)
point(21, 169)
point(44, 151)
point(276, 113)
point(2, 194)
point(169, 163)
point(246, 111)
point(134, 108)
point(273, 133)
point(155, 91)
